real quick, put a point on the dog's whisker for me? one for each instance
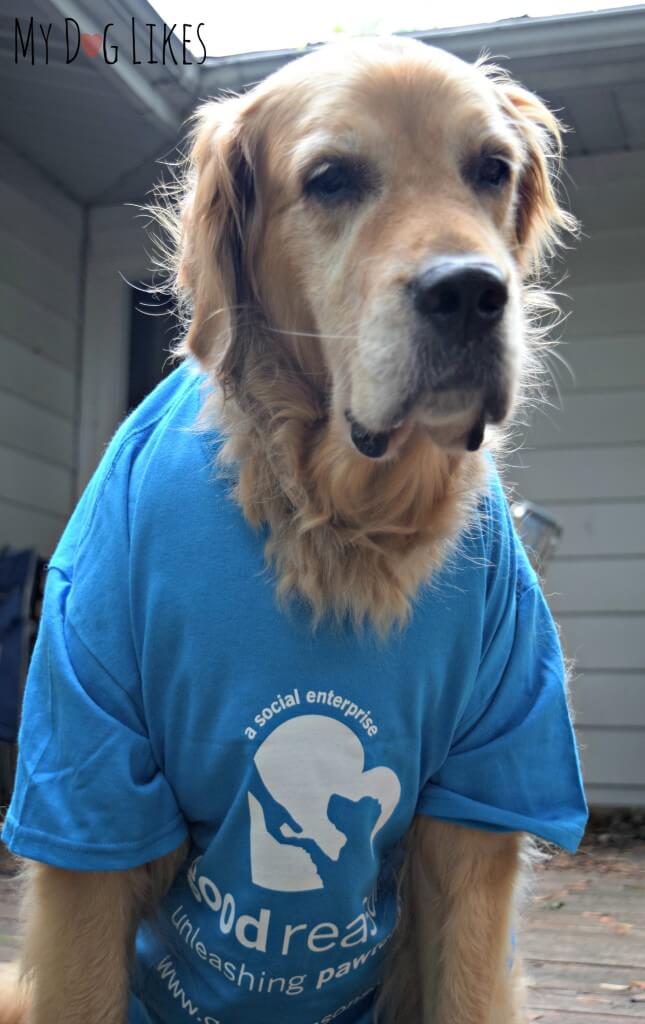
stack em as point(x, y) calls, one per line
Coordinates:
point(553, 353)
point(318, 335)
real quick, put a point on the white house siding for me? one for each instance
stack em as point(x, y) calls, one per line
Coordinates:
point(584, 460)
point(40, 280)
point(118, 261)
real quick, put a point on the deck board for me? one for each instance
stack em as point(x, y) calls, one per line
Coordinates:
point(584, 939)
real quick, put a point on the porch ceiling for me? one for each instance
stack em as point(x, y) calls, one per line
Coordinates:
point(97, 130)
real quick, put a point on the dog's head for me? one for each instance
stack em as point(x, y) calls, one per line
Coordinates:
point(377, 208)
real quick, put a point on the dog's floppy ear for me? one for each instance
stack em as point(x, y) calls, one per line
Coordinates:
point(540, 220)
point(214, 219)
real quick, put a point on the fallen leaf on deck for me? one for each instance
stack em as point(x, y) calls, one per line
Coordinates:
point(611, 987)
point(554, 905)
point(579, 886)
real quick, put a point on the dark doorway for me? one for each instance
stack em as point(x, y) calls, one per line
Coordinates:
point(153, 331)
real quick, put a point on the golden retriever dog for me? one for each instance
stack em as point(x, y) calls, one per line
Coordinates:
point(358, 244)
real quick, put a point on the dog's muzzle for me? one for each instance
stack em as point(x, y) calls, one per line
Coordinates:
point(459, 302)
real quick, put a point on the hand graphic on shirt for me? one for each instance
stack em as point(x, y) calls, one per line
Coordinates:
point(304, 764)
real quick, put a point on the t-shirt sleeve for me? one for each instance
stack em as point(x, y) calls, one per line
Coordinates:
point(89, 792)
point(513, 763)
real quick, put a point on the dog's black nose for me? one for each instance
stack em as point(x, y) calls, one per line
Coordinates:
point(462, 296)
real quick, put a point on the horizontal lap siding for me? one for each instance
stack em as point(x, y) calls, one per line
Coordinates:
point(611, 473)
point(573, 586)
point(40, 276)
point(583, 458)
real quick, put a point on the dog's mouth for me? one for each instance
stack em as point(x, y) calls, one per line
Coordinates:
point(373, 445)
point(463, 428)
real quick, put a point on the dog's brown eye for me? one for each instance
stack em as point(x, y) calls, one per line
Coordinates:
point(492, 172)
point(336, 181)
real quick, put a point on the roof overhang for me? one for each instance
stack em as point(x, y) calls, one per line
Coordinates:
point(514, 39)
point(99, 129)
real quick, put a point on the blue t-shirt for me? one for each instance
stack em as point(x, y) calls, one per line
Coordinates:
point(170, 697)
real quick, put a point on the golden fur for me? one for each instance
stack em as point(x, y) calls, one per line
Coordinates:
point(297, 314)
point(276, 317)
point(14, 997)
point(450, 960)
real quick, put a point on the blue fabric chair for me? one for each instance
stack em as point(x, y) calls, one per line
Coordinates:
point(18, 576)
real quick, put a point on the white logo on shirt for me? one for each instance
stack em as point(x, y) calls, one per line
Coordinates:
point(302, 765)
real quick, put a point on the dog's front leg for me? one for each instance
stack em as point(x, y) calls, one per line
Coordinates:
point(79, 935)
point(79, 932)
point(468, 880)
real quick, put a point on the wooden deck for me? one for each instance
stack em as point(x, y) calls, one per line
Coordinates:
point(8, 908)
point(583, 937)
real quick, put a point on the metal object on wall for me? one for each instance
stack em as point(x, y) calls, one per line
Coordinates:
point(540, 532)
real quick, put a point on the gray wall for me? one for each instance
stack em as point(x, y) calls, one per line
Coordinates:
point(40, 281)
point(584, 460)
